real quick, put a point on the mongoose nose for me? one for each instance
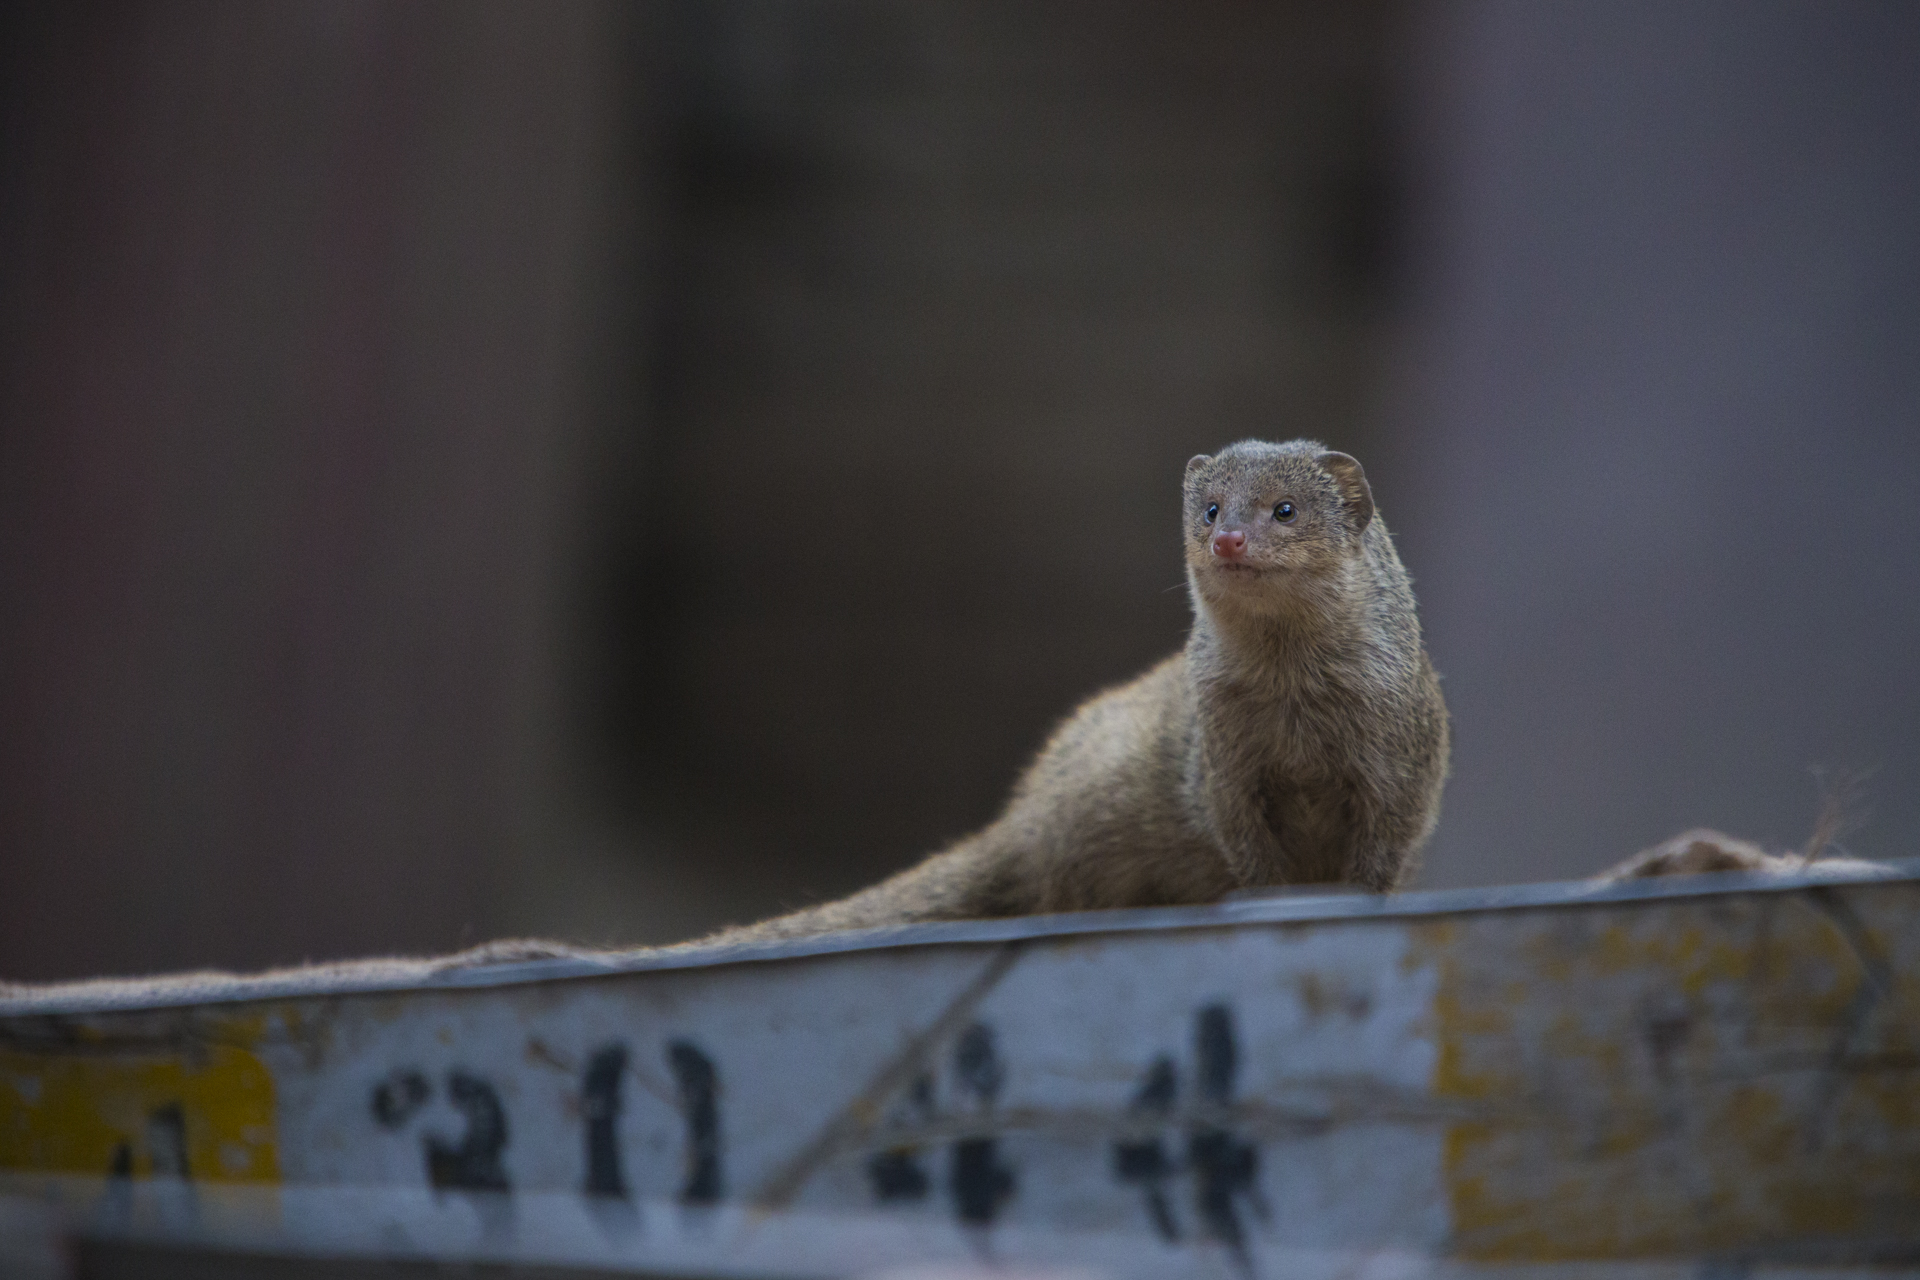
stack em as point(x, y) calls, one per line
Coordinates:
point(1229, 544)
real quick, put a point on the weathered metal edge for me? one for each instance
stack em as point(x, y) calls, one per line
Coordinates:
point(1281, 908)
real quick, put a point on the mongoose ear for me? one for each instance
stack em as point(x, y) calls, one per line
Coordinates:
point(1198, 459)
point(1346, 472)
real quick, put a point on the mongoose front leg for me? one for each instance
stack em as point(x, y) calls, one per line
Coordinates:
point(1376, 863)
point(1238, 820)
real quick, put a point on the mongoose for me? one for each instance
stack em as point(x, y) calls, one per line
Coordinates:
point(1300, 736)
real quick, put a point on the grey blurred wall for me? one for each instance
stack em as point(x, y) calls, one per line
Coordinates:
point(300, 356)
point(1655, 432)
point(610, 469)
point(607, 470)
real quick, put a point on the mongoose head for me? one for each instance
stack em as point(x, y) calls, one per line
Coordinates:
point(1269, 523)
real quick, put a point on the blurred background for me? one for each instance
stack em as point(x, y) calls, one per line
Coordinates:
point(610, 469)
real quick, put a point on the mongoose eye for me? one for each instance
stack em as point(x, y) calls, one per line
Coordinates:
point(1284, 513)
point(1213, 510)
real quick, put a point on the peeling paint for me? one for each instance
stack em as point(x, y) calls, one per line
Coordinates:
point(1675, 1081)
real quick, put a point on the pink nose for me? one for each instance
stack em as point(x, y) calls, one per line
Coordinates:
point(1229, 544)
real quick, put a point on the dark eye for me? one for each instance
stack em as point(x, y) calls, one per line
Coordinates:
point(1213, 509)
point(1284, 513)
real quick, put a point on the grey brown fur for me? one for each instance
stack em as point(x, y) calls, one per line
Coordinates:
point(1299, 738)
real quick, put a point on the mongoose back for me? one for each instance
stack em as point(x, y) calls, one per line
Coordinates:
point(1299, 737)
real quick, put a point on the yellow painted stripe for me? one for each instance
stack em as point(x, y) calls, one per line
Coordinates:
point(88, 1109)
